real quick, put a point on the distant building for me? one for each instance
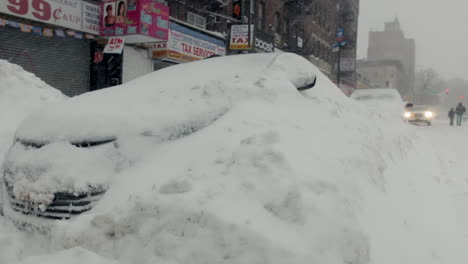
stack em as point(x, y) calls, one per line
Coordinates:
point(362, 82)
point(384, 74)
point(392, 55)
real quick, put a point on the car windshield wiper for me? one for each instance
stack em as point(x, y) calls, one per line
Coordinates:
point(81, 144)
point(31, 144)
point(88, 144)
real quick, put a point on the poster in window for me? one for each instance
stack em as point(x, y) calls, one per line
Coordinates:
point(121, 12)
point(109, 15)
point(132, 5)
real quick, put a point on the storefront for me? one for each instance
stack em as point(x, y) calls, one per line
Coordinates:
point(140, 23)
point(52, 40)
point(264, 42)
point(186, 44)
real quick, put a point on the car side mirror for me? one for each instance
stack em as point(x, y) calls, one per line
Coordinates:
point(308, 86)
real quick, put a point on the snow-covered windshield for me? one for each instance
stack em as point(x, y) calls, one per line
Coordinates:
point(384, 95)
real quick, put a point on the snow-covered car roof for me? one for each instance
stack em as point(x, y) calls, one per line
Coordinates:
point(381, 94)
point(169, 102)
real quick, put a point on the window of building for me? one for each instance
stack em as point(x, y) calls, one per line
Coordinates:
point(277, 22)
point(196, 20)
point(286, 27)
point(261, 16)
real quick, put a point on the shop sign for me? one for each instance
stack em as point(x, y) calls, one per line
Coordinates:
point(264, 42)
point(145, 18)
point(240, 37)
point(115, 45)
point(73, 14)
point(185, 45)
point(277, 39)
point(300, 42)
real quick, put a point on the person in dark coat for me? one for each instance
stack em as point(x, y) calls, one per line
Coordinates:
point(451, 115)
point(459, 111)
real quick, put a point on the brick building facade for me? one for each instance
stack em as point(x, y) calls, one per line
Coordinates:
point(308, 28)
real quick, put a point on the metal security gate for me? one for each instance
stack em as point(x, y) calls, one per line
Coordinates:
point(136, 63)
point(62, 62)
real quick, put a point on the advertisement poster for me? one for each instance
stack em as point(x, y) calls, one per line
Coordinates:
point(115, 45)
point(134, 17)
point(240, 37)
point(186, 45)
point(73, 14)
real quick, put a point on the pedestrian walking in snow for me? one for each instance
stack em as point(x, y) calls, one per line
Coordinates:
point(451, 115)
point(459, 111)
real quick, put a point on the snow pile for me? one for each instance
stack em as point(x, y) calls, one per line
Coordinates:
point(384, 100)
point(277, 177)
point(274, 180)
point(21, 93)
point(152, 119)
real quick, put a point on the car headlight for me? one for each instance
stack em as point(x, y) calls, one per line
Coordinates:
point(407, 114)
point(428, 114)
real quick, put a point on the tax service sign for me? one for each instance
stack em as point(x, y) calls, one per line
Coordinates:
point(73, 14)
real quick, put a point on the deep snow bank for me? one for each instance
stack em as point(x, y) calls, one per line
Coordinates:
point(277, 179)
point(21, 93)
point(285, 178)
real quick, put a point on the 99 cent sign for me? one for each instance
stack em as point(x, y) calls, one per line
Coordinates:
point(72, 14)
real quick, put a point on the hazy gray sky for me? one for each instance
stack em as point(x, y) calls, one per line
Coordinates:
point(440, 28)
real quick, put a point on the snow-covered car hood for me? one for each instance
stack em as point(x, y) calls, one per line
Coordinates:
point(168, 103)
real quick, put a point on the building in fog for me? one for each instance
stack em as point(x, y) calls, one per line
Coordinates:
point(384, 74)
point(391, 59)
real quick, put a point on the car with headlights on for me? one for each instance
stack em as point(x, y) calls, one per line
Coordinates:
point(65, 155)
point(419, 114)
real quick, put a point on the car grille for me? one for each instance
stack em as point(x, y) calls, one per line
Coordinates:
point(64, 205)
point(418, 115)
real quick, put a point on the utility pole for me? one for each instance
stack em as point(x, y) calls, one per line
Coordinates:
point(250, 23)
point(338, 24)
point(338, 71)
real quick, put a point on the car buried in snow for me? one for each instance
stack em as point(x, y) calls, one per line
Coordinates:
point(378, 96)
point(380, 99)
point(65, 155)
